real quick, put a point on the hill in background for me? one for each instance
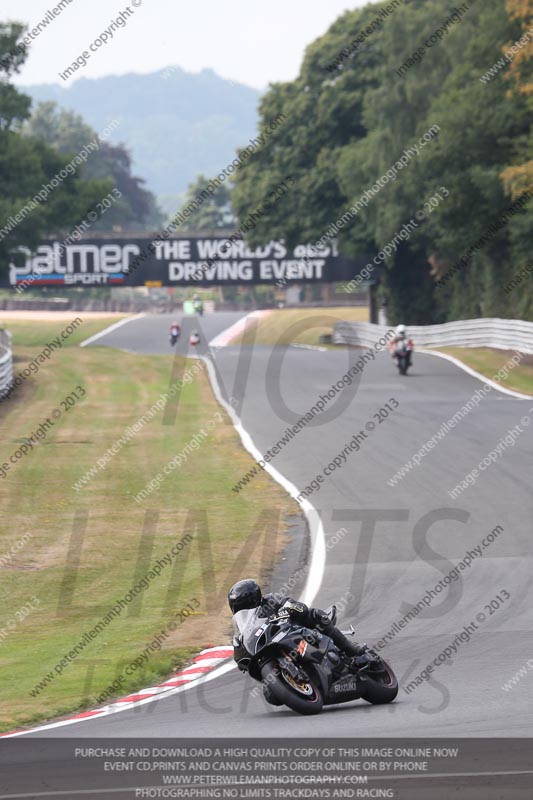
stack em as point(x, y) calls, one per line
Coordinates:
point(175, 124)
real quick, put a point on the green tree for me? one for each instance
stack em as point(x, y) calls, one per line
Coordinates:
point(207, 212)
point(351, 118)
point(518, 177)
point(66, 132)
point(27, 165)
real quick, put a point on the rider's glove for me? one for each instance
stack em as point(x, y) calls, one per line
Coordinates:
point(321, 619)
point(294, 609)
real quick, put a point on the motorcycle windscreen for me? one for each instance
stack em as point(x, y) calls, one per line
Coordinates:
point(249, 626)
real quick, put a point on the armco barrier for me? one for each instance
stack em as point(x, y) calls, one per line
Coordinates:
point(6, 362)
point(503, 334)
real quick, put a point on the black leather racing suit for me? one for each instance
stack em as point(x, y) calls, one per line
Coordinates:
point(312, 618)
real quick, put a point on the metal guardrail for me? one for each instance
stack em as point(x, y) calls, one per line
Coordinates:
point(502, 334)
point(6, 362)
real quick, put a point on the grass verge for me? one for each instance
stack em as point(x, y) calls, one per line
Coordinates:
point(83, 550)
point(300, 325)
point(488, 361)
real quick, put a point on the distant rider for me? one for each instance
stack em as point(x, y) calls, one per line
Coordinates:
point(246, 594)
point(175, 330)
point(400, 336)
point(198, 304)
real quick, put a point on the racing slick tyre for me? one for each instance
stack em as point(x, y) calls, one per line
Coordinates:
point(379, 685)
point(303, 697)
point(269, 697)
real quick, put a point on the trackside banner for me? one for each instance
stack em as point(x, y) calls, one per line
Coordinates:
point(177, 262)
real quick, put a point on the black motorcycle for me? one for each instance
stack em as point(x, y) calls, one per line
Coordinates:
point(173, 336)
point(402, 354)
point(304, 670)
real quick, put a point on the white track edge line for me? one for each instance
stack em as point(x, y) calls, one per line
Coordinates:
point(310, 347)
point(112, 327)
point(477, 375)
point(318, 538)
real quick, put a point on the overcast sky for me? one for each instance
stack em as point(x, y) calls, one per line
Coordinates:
point(246, 41)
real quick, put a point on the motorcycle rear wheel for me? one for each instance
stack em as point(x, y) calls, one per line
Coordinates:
point(379, 686)
point(305, 700)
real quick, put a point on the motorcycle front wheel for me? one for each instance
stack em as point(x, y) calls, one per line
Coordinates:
point(379, 685)
point(303, 696)
point(269, 697)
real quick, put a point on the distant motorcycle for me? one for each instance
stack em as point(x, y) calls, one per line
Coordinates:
point(402, 355)
point(198, 307)
point(304, 670)
point(174, 335)
point(401, 349)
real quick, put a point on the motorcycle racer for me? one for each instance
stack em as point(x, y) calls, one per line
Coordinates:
point(400, 336)
point(246, 594)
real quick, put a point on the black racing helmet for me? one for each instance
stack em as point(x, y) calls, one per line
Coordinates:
point(244, 594)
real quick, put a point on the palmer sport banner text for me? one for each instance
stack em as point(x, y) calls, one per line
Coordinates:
point(178, 262)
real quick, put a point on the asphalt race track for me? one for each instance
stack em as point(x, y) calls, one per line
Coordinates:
point(398, 542)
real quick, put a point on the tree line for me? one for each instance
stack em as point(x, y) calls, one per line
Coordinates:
point(366, 92)
point(55, 170)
